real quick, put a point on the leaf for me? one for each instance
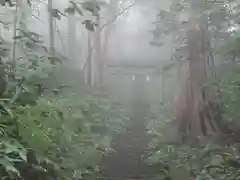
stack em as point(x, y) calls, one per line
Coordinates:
point(227, 154)
point(13, 146)
point(8, 166)
point(31, 35)
point(5, 111)
point(56, 14)
point(54, 60)
point(165, 171)
point(89, 25)
point(12, 160)
point(92, 7)
point(3, 3)
point(69, 10)
point(29, 2)
point(75, 8)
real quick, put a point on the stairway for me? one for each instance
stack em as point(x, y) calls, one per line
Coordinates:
point(127, 163)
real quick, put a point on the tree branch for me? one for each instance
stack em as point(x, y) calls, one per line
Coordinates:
point(103, 26)
point(118, 15)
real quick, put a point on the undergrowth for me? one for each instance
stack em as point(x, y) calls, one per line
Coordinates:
point(211, 161)
point(48, 134)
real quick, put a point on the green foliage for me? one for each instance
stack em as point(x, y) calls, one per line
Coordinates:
point(67, 134)
point(11, 151)
point(229, 83)
point(202, 163)
point(92, 6)
point(231, 49)
point(207, 161)
point(160, 124)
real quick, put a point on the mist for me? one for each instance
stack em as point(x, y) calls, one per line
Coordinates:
point(119, 89)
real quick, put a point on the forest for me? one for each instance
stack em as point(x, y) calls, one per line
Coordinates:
point(84, 95)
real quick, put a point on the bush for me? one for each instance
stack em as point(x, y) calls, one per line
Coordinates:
point(51, 134)
point(202, 163)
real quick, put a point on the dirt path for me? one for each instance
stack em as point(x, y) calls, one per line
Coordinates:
point(127, 162)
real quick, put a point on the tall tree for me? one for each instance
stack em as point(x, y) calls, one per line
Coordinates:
point(98, 55)
point(51, 27)
point(89, 62)
point(72, 34)
point(113, 12)
point(197, 108)
point(99, 47)
point(15, 26)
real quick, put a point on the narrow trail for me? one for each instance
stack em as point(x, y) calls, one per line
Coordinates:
point(127, 163)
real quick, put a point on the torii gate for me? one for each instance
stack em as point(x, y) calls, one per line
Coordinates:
point(132, 82)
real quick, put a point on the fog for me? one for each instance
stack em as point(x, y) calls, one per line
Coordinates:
point(129, 39)
point(119, 89)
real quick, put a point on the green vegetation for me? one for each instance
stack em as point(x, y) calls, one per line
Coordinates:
point(52, 134)
point(198, 136)
point(55, 126)
point(207, 160)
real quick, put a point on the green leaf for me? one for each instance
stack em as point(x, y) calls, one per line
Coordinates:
point(5, 111)
point(89, 25)
point(8, 166)
point(13, 146)
point(13, 159)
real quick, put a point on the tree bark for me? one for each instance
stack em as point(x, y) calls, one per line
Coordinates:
point(15, 25)
point(196, 114)
point(72, 38)
point(89, 62)
point(51, 29)
point(98, 56)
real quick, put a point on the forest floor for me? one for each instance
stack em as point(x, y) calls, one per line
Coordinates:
point(127, 162)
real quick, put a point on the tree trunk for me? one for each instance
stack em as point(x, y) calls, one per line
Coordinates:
point(89, 62)
point(196, 113)
point(51, 30)
point(112, 11)
point(15, 25)
point(72, 39)
point(104, 56)
point(98, 56)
